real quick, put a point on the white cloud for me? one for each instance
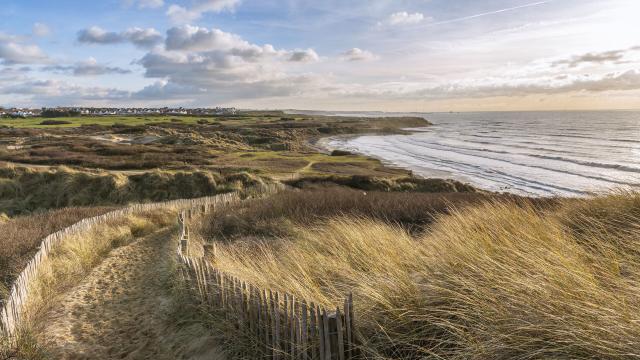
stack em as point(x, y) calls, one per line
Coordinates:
point(12, 51)
point(181, 15)
point(223, 65)
point(151, 4)
point(405, 18)
point(357, 54)
point(612, 56)
point(89, 67)
point(41, 30)
point(143, 38)
point(144, 4)
point(195, 38)
point(308, 55)
point(495, 87)
point(60, 92)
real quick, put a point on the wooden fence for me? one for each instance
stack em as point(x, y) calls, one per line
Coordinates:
point(281, 326)
point(11, 310)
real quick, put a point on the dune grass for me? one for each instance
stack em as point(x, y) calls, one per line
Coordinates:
point(24, 190)
point(495, 280)
point(21, 237)
point(275, 215)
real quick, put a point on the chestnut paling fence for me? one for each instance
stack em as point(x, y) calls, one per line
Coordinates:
point(12, 308)
point(280, 325)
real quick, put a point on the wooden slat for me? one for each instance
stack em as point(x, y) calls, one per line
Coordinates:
point(325, 335)
point(314, 344)
point(292, 328)
point(298, 343)
point(276, 329)
point(339, 334)
point(285, 324)
point(304, 330)
point(347, 321)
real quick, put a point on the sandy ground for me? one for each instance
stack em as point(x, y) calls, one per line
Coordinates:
point(122, 310)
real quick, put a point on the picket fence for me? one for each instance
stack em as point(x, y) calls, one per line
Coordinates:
point(11, 310)
point(281, 326)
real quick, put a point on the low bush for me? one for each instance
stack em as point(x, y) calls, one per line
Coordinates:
point(370, 183)
point(54, 122)
point(340, 153)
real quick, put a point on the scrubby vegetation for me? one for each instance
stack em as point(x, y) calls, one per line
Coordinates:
point(499, 279)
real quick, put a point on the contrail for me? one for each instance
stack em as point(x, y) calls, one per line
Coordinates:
point(490, 13)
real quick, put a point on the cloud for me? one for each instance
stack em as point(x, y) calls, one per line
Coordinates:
point(308, 55)
point(615, 56)
point(194, 38)
point(485, 88)
point(181, 15)
point(163, 89)
point(405, 18)
point(143, 38)
point(12, 51)
point(357, 54)
point(90, 67)
point(222, 65)
point(41, 30)
point(145, 4)
point(60, 92)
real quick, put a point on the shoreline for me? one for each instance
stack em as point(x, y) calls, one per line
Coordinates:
point(321, 145)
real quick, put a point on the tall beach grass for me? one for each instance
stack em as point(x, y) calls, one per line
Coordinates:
point(496, 280)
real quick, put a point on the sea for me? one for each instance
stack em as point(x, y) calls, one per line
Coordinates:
point(526, 153)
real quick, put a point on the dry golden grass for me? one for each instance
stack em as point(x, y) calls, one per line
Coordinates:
point(492, 281)
point(21, 237)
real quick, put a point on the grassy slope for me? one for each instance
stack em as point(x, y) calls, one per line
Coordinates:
point(496, 280)
point(24, 190)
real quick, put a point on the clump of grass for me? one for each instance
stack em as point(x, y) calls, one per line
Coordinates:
point(497, 280)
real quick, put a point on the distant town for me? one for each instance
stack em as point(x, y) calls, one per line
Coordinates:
point(98, 111)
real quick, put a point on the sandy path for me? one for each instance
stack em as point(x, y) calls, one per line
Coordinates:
point(122, 310)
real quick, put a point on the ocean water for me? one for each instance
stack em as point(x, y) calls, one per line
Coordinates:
point(529, 153)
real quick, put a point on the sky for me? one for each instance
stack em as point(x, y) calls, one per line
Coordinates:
point(352, 55)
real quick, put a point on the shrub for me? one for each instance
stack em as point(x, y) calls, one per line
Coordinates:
point(340, 153)
point(54, 122)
